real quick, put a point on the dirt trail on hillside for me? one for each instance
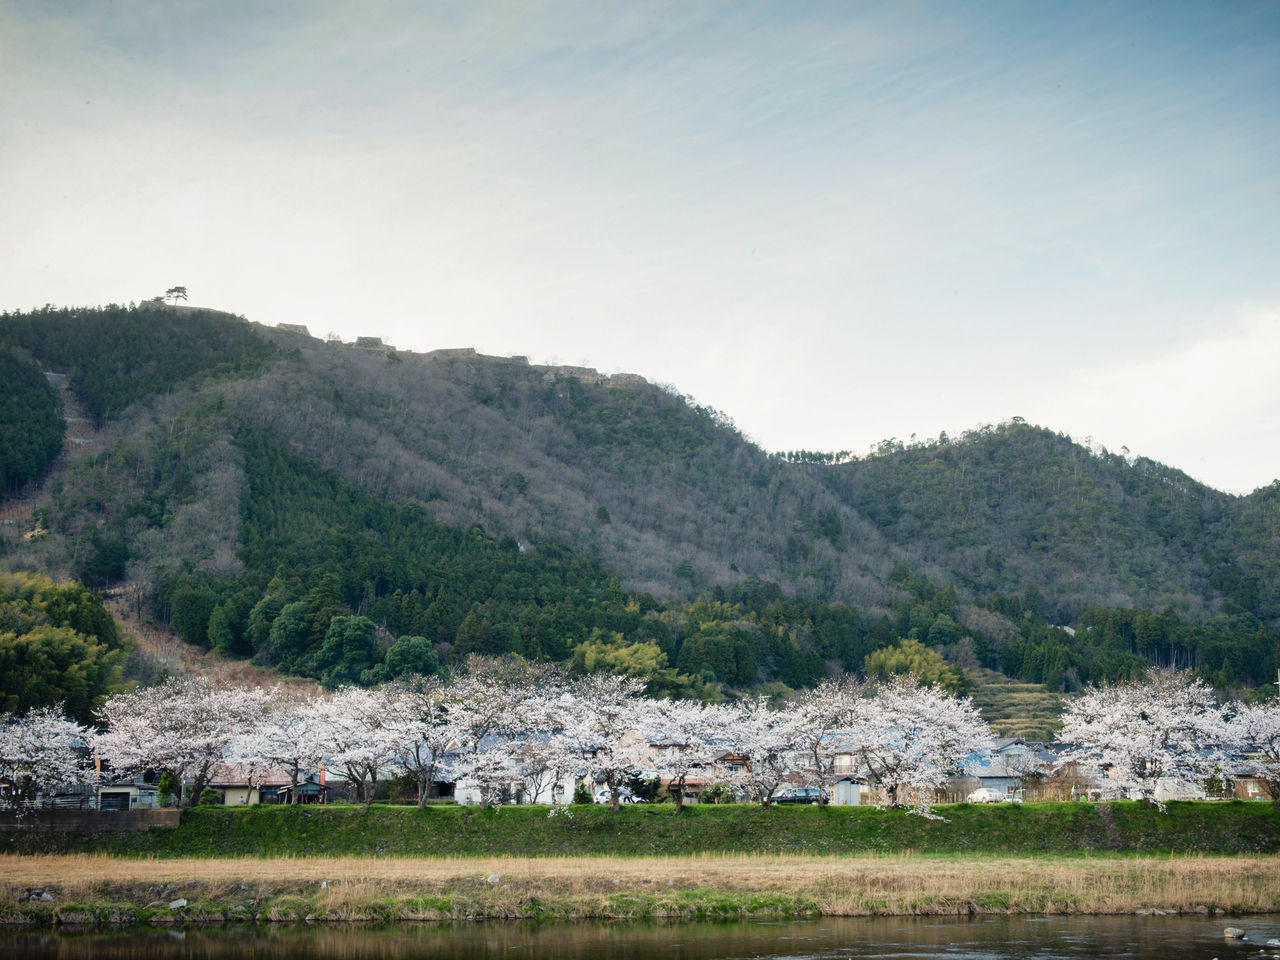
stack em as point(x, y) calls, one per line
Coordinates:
point(160, 645)
point(80, 439)
point(154, 642)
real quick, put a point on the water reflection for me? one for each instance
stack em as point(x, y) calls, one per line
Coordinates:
point(988, 938)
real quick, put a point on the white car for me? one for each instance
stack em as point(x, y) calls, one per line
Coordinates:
point(624, 796)
point(988, 795)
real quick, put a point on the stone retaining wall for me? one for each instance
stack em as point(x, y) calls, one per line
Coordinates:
point(87, 821)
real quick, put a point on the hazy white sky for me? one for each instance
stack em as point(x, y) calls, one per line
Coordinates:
point(837, 222)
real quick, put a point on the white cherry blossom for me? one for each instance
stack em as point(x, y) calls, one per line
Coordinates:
point(1168, 728)
point(910, 738)
point(185, 725)
point(42, 751)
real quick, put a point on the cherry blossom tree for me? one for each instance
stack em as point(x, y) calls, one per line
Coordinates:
point(543, 761)
point(911, 737)
point(185, 725)
point(492, 772)
point(421, 728)
point(489, 708)
point(687, 737)
point(545, 756)
point(603, 716)
point(289, 736)
point(43, 750)
point(357, 737)
point(1168, 728)
point(822, 717)
point(488, 696)
point(766, 740)
point(1256, 732)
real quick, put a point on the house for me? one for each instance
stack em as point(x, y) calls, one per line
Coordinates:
point(126, 790)
point(546, 789)
point(698, 779)
point(312, 789)
point(1005, 767)
point(1246, 785)
point(81, 796)
point(240, 785)
point(853, 788)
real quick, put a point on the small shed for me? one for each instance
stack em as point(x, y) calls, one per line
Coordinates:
point(127, 796)
point(847, 792)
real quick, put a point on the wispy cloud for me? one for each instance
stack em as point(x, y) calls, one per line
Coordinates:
point(836, 222)
point(1210, 406)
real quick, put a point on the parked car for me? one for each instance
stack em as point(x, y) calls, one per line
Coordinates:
point(624, 796)
point(799, 795)
point(990, 795)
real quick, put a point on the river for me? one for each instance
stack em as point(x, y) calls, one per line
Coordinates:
point(985, 938)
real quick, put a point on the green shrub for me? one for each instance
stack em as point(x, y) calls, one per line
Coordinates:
point(165, 789)
point(716, 793)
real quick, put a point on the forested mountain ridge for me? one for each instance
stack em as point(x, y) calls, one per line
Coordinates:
point(1008, 507)
point(450, 502)
point(667, 494)
point(115, 355)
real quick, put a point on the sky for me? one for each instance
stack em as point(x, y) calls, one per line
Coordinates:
point(838, 223)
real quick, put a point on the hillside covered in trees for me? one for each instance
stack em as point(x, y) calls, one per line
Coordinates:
point(351, 512)
point(58, 645)
point(31, 423)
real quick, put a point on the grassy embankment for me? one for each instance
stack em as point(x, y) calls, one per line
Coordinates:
point(346, 830)
point(442, 863)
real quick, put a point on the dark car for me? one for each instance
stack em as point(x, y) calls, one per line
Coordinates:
point(800, 795)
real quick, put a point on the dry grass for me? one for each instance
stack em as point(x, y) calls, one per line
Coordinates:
point(162, 647)
point(353, 888)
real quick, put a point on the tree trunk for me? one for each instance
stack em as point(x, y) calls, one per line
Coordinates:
point(197, 787)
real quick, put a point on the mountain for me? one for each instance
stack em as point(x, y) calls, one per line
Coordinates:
point(254, 486)
point(1016, 506)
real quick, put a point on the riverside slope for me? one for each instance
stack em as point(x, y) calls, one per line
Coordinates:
point(340, 863)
